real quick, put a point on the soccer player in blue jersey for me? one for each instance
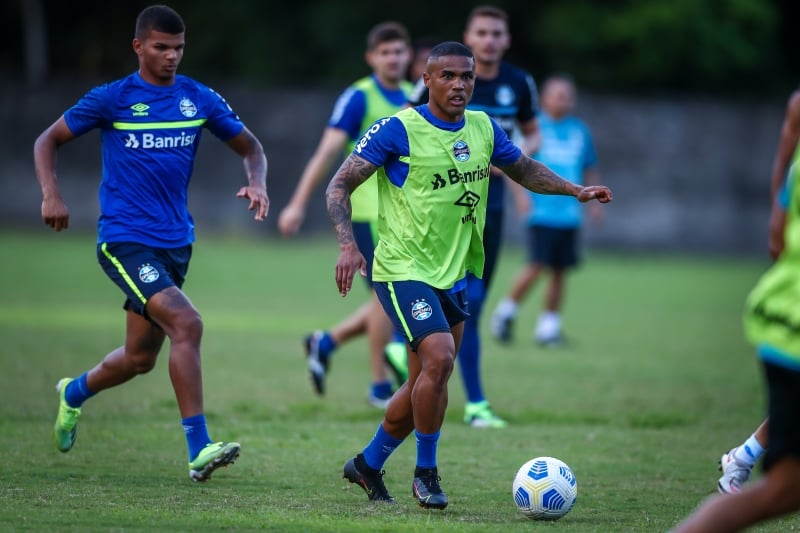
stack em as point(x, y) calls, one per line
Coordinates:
point(507, 94)
point(378, 95)
point(553, 221)
point(433, 169)
point(150, 124)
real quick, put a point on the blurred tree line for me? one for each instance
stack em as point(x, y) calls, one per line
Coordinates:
point(731, 47)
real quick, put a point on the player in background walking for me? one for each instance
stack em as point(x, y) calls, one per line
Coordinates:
point(553, 221)
point(150, 124)
point(377, 95)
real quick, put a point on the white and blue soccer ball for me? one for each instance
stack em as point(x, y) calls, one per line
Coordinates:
point(545, 489)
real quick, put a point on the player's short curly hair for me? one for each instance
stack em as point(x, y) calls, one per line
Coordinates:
point(159, 18)
point(449, 48)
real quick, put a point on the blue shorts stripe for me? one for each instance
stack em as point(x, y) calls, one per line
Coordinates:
point(397, 310)
point(121, 269)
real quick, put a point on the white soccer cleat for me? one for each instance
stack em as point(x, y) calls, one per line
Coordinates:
point(734, 473)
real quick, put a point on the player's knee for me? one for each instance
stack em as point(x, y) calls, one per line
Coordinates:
point(188, 326)
point(142, 362)
point(439, 366)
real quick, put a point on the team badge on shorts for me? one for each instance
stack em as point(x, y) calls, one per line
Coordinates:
point(148, 273)
point(461, 151)
point(421, 310)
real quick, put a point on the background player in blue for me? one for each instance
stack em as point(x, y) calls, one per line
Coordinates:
point(508, 95)
point(430, 236)
point(378, 95)
point(553, 221)
point(150, 124)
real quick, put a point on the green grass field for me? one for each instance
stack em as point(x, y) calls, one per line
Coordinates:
point(656, 384)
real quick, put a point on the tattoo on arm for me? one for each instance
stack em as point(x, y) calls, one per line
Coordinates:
point(536, 177)
point(353, 172)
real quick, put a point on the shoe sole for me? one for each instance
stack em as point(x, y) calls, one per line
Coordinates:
point(482, 424)
point(223, 460)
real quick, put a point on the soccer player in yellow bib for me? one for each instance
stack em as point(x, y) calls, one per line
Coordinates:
point(772, 324)
point(432, 163)
point(383, 92)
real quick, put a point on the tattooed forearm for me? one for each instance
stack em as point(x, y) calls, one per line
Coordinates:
point(353, 172)
point(340, 210)
point(537, 177)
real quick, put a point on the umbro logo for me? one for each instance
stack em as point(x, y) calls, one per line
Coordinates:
point(468, 199)
point(140, 109)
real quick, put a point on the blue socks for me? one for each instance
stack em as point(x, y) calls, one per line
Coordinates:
point(426, 449)
point(380, 448)
point(382, 389)
point(326, 345)
point(78, 391)
point(196, 434)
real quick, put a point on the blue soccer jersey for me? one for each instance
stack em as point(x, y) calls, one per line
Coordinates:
point(568, 150)
point(150, 136)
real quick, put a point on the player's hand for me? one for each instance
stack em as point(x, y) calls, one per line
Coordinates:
point(259, 202)
point(601, 193)
point(350, 261)
point(290, 220)
point(55, 213)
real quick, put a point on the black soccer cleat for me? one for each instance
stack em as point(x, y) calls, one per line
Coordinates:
point(371, 480)
point(426, 489)
point(317, 361)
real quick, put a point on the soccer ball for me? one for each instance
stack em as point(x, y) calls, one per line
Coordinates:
point(545, 489)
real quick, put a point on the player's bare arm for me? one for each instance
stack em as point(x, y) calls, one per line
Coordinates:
point(255, 166)
point(537, 177)
point(54, 211)
point(790, 135)
point(352, 173)
point(325, 156)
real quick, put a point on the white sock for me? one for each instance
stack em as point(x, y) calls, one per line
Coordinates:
point(507, 308)
point(749, 452)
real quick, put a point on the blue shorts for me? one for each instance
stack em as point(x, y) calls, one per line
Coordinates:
point(142, 271)
point(417, 309)
point(364, 235)
point(553, 247)
point(783, 388)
